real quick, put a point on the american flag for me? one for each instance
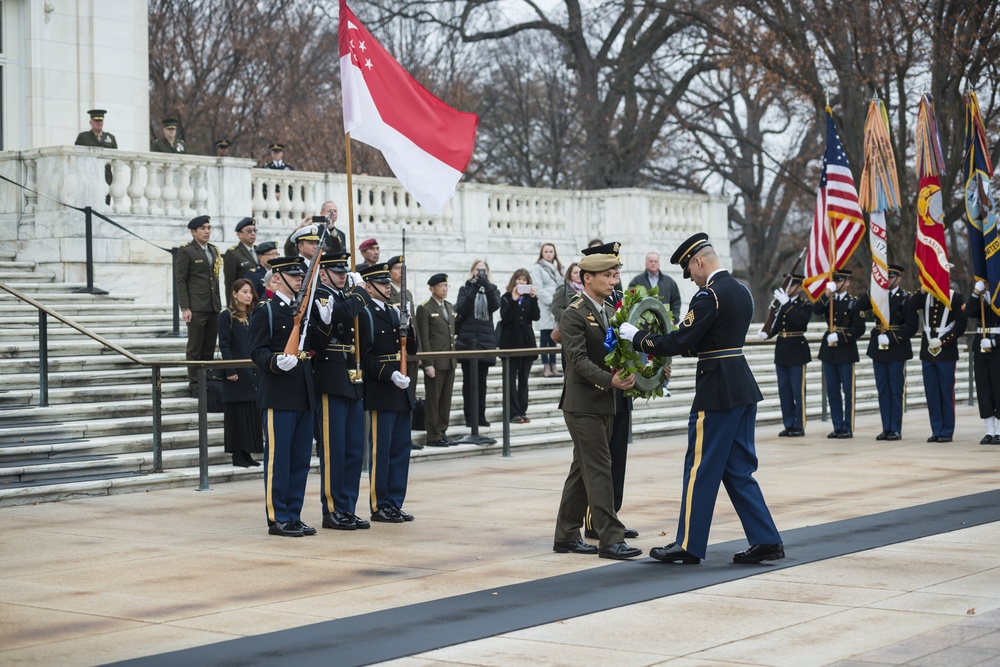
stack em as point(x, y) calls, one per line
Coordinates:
point(836, 208)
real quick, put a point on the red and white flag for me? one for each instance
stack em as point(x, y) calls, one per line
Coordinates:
point(427, 143)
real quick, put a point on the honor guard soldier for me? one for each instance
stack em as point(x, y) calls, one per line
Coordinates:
point(169, 143)
point(388, 397)
point(986, 361)
point(196, 283)
point(839, 351)
point(266, 251)
point(241, 257)
point(287, 402)
point(621, 426)
point(278, 158)
point(222, 147)
point(943, 324)
point(340, 417)
point(889, 348)
point(435, 322)
point(96, 136)
point(588, 406)
point(721, 446)
point(791, 354)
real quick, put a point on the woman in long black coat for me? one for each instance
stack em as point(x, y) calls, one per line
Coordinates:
point(518, 309)
point(244, 433)
point(477, 300)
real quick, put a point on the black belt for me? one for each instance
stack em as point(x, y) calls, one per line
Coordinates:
point(387, 357)
point(721, 354)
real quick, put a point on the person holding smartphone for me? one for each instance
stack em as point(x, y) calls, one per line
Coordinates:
point(518, 309)
point(477, 300)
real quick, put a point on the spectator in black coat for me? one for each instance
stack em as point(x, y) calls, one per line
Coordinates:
point(243, 431)
point(518, 309)
point(477, 300)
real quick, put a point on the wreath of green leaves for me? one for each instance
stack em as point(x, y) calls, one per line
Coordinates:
point(641, 308)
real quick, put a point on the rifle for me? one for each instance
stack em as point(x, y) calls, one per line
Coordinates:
point(404, 314)
point(773, 308)
point(303, 302)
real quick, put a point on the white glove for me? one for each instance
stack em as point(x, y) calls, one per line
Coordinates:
point(832, 338)
point(762, 334)
point(781, 295)
point(400, 380)
point(980, 286)
point(354, 278)
point(883, 339)
point(326, 311)
point(934, 343)
point(627, 331)
point(831, 286)
point(287, 362)
point(985, 344)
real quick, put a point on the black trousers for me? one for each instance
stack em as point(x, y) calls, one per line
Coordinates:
point(519, 369)
point(986, 367)
point(467, 389)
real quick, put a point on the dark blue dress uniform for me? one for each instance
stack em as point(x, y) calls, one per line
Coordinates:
point(340, 414)
point(838, 360)
point(986, 364)
point(890, 363)
point(390, 406)
point(721, 426)
point(791, 354)
point(287, 400)
point(943, 324)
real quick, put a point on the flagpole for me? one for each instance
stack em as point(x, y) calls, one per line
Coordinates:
point(355, 375)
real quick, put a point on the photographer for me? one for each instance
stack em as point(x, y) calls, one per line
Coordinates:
point(518, 309)
point(477, 300)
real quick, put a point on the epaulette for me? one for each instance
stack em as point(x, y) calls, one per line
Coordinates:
point(576, 295)
point(232, 247)
point(576, 304)
point(423, 303)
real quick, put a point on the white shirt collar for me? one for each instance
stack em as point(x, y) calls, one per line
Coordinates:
point(712, 275)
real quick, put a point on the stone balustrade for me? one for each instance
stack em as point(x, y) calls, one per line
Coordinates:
point(153, 195)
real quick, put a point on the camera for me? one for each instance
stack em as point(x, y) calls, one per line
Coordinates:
point(482, 274)
point(523, 289)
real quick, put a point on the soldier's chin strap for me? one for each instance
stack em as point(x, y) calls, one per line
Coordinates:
point(385, 297)
point(285, 280)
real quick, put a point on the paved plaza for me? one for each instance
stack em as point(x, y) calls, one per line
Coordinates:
point(892, 559)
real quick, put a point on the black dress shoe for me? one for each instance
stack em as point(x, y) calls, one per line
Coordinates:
point(845, 435)
point(414, 445)
point(194, 392)
point(306, 530)
point(387, 515)
point(439, 443)
point(987, 440)
point(338, 520)
point(673, 553)
point(631, 533)
point(253, 462)
point(933, 438)
point(240, 459)
point(619, 551)
point(795, 433)
point(944, 438)
point(893, 435)
point(404, 515)
point(288, 529)
point(483, 422)
point(574, 547)
point(591, 534)
point(760, 552)
point(882, 436)
point(833, 434)
point(996, 439)
point(783, 433)
point(359, 523)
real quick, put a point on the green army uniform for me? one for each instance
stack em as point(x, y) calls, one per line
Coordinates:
point(435, 324)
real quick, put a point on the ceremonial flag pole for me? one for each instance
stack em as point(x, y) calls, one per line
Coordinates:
point(984, 242)
point(930, 250)
point(879, 193)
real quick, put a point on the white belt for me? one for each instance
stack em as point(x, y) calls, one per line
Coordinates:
point(988, 330)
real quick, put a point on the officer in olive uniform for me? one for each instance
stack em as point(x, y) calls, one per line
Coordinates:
point(222, 147)
point(196, 282)
point(340, 416)
point(588, 406)
point(169, 143)
point(265, 252)
point(241, 257)
point(889, 348)
point(96, 136)
point(791, 354)
point(287, 402)
point(435, 322)
point(721, 426)
point(942, 325)
point(839, 351)
point(986, 361)
point(388, 397)
point(621, 427)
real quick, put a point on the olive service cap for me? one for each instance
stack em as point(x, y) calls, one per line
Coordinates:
point(598, 263)
point(97, 114)
point(603, 249)
point(393, 261)
point(170, 122)
point(222, 143)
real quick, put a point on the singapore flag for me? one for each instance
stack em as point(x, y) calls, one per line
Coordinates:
point(427, 143)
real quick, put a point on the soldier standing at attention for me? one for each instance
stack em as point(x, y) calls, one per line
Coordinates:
point(96, 136)
point(791, 354)
point(721, 446)
point(340, 418)
point(222, 147)
point(943, 324)
point(889, 351)
point(241, 257)
point(839, 351)
point(169, 143)
point(435, 321)
point(986, 361)
point(588, 405)
point(196, 283)
point(287, 403)
point(388, 397)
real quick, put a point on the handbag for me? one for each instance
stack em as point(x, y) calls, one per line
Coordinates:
point(418, 420)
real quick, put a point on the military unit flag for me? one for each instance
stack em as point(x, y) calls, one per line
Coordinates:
point(930, 251)
point(984, 242)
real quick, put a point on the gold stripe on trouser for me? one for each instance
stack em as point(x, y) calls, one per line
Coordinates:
point(371, 464)
point(802, 398)
point(587, 519)
point(327, 463)
point(904, 393)
point(854, 396)
point(269, 480)
point(699, 443)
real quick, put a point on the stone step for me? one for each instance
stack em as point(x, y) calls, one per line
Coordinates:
point(17, 278)
point(57, 295)
point(72, 310)
point(78, 420)
point(10, 367)
point(129, 318)
point(95, 443)
point(13, 265)
point(136, 375)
